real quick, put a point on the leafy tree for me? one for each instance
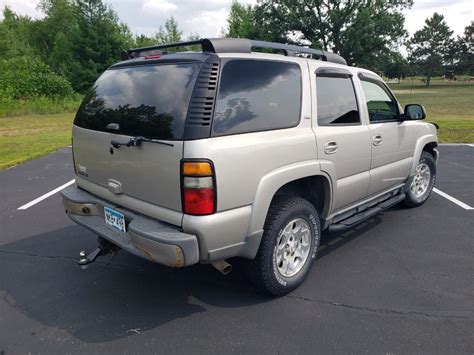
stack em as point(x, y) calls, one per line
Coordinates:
point(76, 39)
point(363, 32)
point(14, 38)
point(144, 41)
point(170, 33)
point(396, 66)
point(25, 77)
point(241, 21)
point(464, 51)
point(255, 22)
point(54, 34)
point(429, 48)
point(97, 43)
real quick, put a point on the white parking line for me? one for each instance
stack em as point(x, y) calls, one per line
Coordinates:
point(453, 200)
point(46, 195)
point(52, 192)
point(456, 144)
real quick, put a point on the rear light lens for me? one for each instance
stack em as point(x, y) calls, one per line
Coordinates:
point(198, 186)
point(198, 182)
point(199, 201)
point(194, 168)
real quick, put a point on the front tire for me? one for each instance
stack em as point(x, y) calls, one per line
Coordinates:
point(288, 248)
point(423, 182)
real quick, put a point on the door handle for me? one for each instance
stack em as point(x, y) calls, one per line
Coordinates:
point(330, 147)
point(377, 139)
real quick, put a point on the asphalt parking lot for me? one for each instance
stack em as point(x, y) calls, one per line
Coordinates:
point(402, 282)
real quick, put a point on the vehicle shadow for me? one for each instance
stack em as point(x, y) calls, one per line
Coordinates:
point(333, 241)
point(120, 296)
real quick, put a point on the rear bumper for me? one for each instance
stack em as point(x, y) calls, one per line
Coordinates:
point(147, 238)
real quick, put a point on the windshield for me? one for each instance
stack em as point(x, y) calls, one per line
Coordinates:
point(150, 101)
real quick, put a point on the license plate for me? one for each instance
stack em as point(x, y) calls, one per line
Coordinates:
point(114, 219)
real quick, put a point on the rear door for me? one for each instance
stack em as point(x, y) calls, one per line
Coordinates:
point(148, 101)
point(392, 138)
point(342, 138)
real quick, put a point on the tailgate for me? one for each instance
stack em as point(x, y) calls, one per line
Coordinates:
point(149, 172)
point(149, 101)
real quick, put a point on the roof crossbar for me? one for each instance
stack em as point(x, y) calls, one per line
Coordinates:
point(239, 45)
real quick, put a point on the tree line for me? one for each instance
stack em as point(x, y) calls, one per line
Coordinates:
point(76, 40)
point(67, 49)
point(368, 34)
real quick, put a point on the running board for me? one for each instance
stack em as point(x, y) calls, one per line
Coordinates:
point(370, 212)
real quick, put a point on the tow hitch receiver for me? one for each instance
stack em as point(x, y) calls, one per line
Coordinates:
point(104, 248)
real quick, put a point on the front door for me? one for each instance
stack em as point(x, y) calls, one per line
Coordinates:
point(343, 140)
point(392, 138)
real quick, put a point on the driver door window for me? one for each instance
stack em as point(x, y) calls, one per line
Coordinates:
point(380, 105)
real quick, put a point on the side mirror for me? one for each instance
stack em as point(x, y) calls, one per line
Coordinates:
point(415, 112)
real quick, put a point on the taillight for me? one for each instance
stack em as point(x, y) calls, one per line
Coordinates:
point(198, 186)
point(73, 160)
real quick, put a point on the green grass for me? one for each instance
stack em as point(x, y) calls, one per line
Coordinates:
point(38, 106)
point(29, 137)
point(449, 104)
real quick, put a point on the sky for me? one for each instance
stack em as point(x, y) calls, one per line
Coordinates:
point(208, 17)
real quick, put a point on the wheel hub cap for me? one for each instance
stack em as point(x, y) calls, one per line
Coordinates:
point(421, 181)
point(292, 247)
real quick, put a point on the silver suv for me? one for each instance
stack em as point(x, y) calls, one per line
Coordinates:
point(198, 157)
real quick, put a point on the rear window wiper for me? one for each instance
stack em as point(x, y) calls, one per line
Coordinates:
point(137, 141)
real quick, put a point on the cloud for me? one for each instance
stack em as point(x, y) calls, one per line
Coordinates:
point(23, 7)
point(161, 6)
point(208, 17)
point(206, 23)
point(457, 13)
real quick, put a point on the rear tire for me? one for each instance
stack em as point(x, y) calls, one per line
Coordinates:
point(288, 248)
point(423, 182)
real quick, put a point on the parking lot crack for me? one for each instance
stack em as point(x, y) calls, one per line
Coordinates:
point(386, 311)
point(60, 257)
point(37, 255)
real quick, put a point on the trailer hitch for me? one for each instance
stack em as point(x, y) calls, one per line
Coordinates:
point(104, 248)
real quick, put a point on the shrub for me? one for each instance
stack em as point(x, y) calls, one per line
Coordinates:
point(28, 77)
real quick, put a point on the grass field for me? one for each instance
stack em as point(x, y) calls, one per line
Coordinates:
point(38, 106)
point(24, 137)
point(28, 137)
point(450, 104)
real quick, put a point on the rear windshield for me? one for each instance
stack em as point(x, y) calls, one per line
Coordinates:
point(150, 101)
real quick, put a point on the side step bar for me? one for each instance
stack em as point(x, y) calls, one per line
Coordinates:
point(370, 212)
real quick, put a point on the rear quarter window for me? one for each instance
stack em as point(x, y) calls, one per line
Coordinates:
point(257, 95)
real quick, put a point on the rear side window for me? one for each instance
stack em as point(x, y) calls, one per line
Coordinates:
point(257, 96)
point(150, 101)
point(336, 100)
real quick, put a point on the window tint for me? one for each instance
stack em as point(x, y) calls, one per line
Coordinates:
point(150, 101)
point(380, 105)
point(256, 96)
point(337, 103)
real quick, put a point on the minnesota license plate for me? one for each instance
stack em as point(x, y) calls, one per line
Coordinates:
point(114, 219)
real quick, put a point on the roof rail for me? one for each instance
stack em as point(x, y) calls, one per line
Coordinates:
point(239, 45)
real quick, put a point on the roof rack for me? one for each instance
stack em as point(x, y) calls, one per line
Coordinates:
point(239, 45)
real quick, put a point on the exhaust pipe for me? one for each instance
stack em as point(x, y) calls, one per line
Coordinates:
point(222, 266)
